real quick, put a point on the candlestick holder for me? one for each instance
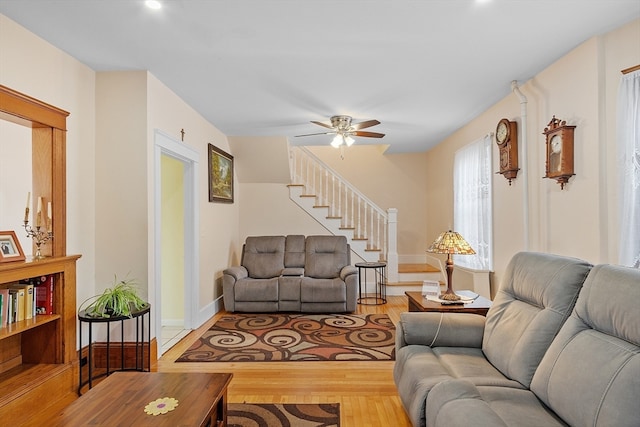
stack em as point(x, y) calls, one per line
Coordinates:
point(39, 237)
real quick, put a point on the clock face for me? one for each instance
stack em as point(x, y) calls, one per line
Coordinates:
point(501, 132)
point(556, 144)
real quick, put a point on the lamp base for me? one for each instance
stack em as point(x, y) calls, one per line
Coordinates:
point(450, 297)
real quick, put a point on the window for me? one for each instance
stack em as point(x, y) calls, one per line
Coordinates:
point(629, 166)
point(472, 215)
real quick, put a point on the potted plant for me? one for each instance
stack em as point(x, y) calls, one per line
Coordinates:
point(121, 299)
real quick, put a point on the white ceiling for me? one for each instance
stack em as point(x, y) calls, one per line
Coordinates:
point(269, 67)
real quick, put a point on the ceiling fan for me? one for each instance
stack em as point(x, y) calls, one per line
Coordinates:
point(344, 130)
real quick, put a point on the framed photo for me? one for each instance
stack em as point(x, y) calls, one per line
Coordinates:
point(220, 175)
point(10, 249)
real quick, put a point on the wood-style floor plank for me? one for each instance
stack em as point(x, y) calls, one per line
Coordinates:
point(365, 390)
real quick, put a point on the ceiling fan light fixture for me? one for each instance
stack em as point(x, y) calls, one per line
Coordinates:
point(337, 141)
point(349, 141)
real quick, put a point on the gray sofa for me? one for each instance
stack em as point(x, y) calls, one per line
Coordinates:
point(292, 273)
point(538, 359)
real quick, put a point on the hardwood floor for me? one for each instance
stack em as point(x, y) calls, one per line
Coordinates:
point(365, 390)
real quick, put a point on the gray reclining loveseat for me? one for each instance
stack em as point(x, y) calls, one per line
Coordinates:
point(292, 273)
point(534, 361)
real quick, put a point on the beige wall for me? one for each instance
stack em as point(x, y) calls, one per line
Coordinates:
point(218, 226)
point(32, 66)
point(580, 220)
point(121, 169)
point(390, 181)
point(110, 162)
point(110, 165)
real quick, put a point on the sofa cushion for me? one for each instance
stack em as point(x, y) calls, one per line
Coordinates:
point(263, 256)
point(590, 375)
point(459, 403)
point(535, 298)
point(294, 251)
point(289, 288)
point(420, 368)
point(325, 256)
point(256, 290)
point(322, 290)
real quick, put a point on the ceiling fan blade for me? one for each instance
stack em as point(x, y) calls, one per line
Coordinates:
point(363, 125)
point(326, 125)
point(313, 134)
point(368, 134)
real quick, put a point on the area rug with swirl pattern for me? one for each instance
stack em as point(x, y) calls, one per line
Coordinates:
point(283, 415)
point(295, 337)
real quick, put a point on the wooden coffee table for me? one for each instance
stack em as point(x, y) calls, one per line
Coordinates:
point(120, 399)
point(418, 303)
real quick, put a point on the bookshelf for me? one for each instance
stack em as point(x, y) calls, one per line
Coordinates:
point(38, 357)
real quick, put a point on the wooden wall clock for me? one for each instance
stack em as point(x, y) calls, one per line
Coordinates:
point(559, 147)
point(507, 140)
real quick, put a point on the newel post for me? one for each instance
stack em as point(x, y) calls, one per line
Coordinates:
point(392, 250)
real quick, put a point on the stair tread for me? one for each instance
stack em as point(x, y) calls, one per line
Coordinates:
point(417, 268)
point(409, 283)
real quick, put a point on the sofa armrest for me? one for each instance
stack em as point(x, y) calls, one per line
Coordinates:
point(440, 330)
point(457, 403)
point(347, 270)
point(237, 272)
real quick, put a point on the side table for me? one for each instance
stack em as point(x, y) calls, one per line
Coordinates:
point(139, 318)
point(417, 302)
point(379, 283)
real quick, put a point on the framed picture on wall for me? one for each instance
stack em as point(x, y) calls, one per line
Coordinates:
point(10, 249)
point(220, 175)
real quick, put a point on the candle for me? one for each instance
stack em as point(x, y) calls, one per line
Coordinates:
point(49, 215)
point(26, 210)
point(39, 213)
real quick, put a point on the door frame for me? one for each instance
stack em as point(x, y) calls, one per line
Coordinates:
point(166, 145)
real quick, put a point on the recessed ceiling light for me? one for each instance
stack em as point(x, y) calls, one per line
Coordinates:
point(153, 4)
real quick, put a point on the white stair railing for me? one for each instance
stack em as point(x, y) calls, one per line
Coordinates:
point(356, 212)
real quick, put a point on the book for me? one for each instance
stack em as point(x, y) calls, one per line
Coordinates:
point(4, 312)
point(44, 294)
point(19, 303)
point(13, 308)
point(27, 301)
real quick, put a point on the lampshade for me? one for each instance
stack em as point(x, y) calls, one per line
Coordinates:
point(451, 242)
point(337, 141)
point(342, 138)
point(349, 141)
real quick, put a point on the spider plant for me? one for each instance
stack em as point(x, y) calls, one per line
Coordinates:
point(120, 300)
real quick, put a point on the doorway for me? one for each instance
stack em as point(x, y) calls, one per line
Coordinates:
point(176, 261)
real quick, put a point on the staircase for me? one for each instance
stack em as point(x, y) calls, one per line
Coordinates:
point(343, 210)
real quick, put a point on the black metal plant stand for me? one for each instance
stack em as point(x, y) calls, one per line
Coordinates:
point(139, 318)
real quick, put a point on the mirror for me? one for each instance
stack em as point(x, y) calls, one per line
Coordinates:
point(15, 179)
